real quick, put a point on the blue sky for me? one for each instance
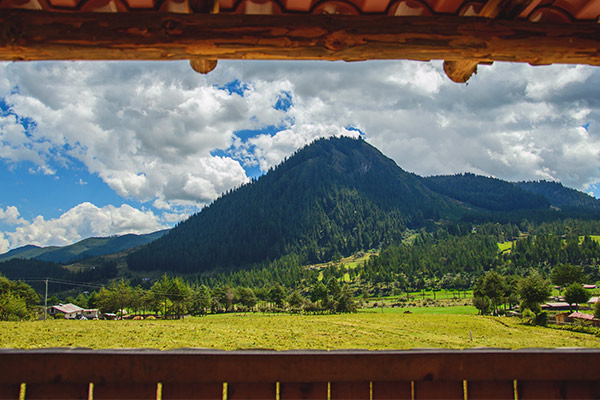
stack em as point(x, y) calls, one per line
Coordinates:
point(103, 148)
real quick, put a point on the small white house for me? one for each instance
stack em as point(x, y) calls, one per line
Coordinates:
point(92, 313)
point(70, 311)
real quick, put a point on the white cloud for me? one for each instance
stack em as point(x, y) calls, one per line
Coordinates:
point(149, 130)
point(140, 128)
point(512, 121)
point(269, 150)
point(82, 221)
point(11, 216)
point(4, 245)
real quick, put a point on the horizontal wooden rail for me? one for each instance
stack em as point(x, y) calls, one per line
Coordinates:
point(40, 35)
point(467, 374)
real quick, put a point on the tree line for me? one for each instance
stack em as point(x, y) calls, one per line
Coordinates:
point(173, 297)
point(494, 293)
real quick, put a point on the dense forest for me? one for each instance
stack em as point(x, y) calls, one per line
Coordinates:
point(441, 260)
point(338, 196)
point(454, 257)
point(487, 193)
point(332, 198)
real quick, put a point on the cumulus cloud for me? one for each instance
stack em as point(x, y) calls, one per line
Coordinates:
point(145, 130)
point(11, 216)
point(162, 134)
point(4, 244)
point(82, 221)
point(511, 121)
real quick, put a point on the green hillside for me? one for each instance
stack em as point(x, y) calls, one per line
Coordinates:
point(561, 196)
point(330, 199)
point(86, 248)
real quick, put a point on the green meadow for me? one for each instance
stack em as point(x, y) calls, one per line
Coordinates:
point(370, 329)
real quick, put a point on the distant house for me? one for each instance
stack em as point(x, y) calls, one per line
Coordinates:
point(93, 313)
point(593, 300)
point(589, 287)
point(560, 305)
point(587, 319)
point(562, 318)
point(70, 311)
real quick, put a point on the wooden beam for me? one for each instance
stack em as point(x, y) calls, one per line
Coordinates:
point(461, 71)
point(203, 65)
point(142, 366)
point(38, 35)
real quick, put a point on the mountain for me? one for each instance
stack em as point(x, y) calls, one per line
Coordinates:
point(487, 193)
point(329, 199)
point(29, 251)
point(561, 196)
point(90, 247)
point(493, 194)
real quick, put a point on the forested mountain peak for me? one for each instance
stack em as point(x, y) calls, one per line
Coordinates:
point(330, 198)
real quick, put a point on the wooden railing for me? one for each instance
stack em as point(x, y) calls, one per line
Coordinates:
point(207, 374)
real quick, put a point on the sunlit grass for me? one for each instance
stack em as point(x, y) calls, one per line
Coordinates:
point(365, 330)
point(505, 246)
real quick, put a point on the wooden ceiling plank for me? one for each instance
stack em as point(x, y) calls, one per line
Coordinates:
point(35, 35)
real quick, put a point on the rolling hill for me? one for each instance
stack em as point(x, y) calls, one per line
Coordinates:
point(90, 247)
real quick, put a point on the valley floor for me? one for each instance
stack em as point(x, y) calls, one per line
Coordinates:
point(370, 329)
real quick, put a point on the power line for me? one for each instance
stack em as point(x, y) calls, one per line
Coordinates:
point(89, 285)
point(63, 282)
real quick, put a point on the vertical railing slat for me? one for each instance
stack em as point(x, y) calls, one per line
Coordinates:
point(392, 390)
point(301, 391)
point(251, 391)
point(351, 390)
point(50, 391)
point(439, 390)
point(110, 391)
point(490, 390)
point(196, 391)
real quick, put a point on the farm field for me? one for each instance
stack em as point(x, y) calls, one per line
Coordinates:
point(365, 330)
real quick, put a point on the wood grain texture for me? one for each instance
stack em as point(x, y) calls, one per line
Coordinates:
point(142, 367)
point(350, 390)
point(303, 391)
point(38, 35)
point(196, 391)
point(10, 391)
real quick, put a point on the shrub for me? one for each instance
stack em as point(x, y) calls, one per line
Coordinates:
point(528, 316)
point(541, 319)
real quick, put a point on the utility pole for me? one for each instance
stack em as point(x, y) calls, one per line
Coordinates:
point(46, 300)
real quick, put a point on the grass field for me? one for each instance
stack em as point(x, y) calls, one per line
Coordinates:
point(365, 330)
point(457, 310)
